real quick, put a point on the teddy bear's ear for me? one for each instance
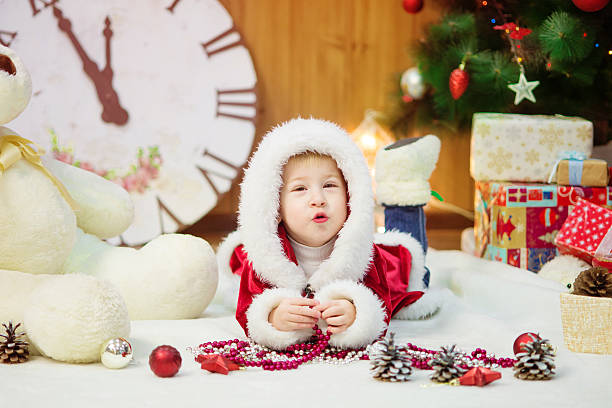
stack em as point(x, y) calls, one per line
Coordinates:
point(15, 85)
point(105, 209)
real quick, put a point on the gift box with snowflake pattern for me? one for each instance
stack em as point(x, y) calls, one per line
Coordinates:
point(516, 223)
point(524, 147)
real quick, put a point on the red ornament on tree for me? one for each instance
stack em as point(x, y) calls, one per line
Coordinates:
point(165, 361)
point(523, 339)
point(458, 82)
point(412, 6)
point(590, 5)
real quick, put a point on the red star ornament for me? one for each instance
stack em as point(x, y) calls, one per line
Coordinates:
point(516, 32)
point(216, 363)
point(479, 376)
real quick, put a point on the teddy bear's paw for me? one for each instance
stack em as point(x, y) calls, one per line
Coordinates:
point(71, 316)
point(172, 277)
point(105, 208)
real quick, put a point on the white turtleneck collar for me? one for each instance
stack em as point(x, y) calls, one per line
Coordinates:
point(309, 258)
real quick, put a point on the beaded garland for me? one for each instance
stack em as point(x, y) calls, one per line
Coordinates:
point(420, 358)
point(251, 354)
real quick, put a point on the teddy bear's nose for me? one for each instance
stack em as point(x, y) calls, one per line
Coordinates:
point(7, 65)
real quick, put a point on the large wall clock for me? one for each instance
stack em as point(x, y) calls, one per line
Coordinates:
point(158, 95)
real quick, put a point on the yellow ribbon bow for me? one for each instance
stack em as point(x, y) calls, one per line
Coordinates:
point(13, 148)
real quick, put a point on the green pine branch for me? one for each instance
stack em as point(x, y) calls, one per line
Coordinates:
point(565, 38)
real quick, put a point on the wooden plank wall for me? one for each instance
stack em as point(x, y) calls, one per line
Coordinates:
point(334, 59)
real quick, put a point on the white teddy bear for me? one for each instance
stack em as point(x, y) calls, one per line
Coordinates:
point(71, 290)
point(563, 269)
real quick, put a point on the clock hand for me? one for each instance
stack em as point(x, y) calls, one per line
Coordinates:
point(112, 111)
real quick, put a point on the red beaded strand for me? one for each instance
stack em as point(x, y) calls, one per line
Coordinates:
point(249, 354)
point(420, 358)
point(291, 358)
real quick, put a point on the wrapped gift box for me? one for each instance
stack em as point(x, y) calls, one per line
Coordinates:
point(590, 172)
point(587, 232)
point(516, 223)
point(524, 147)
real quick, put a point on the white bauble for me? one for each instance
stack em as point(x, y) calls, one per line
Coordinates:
point(412, 83)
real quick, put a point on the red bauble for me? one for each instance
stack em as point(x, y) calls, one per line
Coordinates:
point(165, 361)
point(412, 6)
point(458, 82)
point(590, 5)
point(523, 339)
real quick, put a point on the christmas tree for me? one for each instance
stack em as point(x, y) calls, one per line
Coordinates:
point(527, 56)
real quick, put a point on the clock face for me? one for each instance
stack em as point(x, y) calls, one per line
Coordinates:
point(156, 95)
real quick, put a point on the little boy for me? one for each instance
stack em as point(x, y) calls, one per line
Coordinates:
point(305, 251)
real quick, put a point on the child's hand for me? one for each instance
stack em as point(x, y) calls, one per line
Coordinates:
point(339, 314)
point(294, 314)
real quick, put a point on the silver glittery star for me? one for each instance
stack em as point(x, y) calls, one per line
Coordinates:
point(524, 89)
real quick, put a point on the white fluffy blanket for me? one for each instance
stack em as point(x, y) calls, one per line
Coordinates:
point(487, 305)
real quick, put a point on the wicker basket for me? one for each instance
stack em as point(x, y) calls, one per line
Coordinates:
point(587, 323)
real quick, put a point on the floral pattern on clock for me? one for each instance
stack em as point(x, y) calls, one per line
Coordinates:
point(115, 77)
point(136, 179)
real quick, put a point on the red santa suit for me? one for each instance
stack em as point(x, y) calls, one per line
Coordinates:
point(381, 274)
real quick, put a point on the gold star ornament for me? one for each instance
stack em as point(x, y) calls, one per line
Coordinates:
point(524, 89)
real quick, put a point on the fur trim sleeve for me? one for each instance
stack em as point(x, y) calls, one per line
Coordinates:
point(261, 331)
point(369, 321)
point(229, 282)
point(432, 300)
point(417, 267)
point(425, 307)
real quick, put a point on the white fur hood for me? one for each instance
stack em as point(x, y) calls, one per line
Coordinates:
point(259, 205)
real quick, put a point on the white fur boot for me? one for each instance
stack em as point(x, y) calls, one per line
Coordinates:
point(402, 183)
point(403, 170)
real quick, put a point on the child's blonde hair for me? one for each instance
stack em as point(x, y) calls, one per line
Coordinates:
point(309, 157)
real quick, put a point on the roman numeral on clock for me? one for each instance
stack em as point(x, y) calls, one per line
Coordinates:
point(208, 172)
point(223, 42)
point(162, 209)
point(7, 37)
point(237, 104)
point(171, 7)
point(45, 4)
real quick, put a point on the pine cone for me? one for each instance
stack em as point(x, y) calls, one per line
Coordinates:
point(595, 281)
point(446, 365)
point(12, 348)
point(536, 362)
point(389, 363)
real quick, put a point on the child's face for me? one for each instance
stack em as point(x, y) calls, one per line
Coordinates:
point(313, 200)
